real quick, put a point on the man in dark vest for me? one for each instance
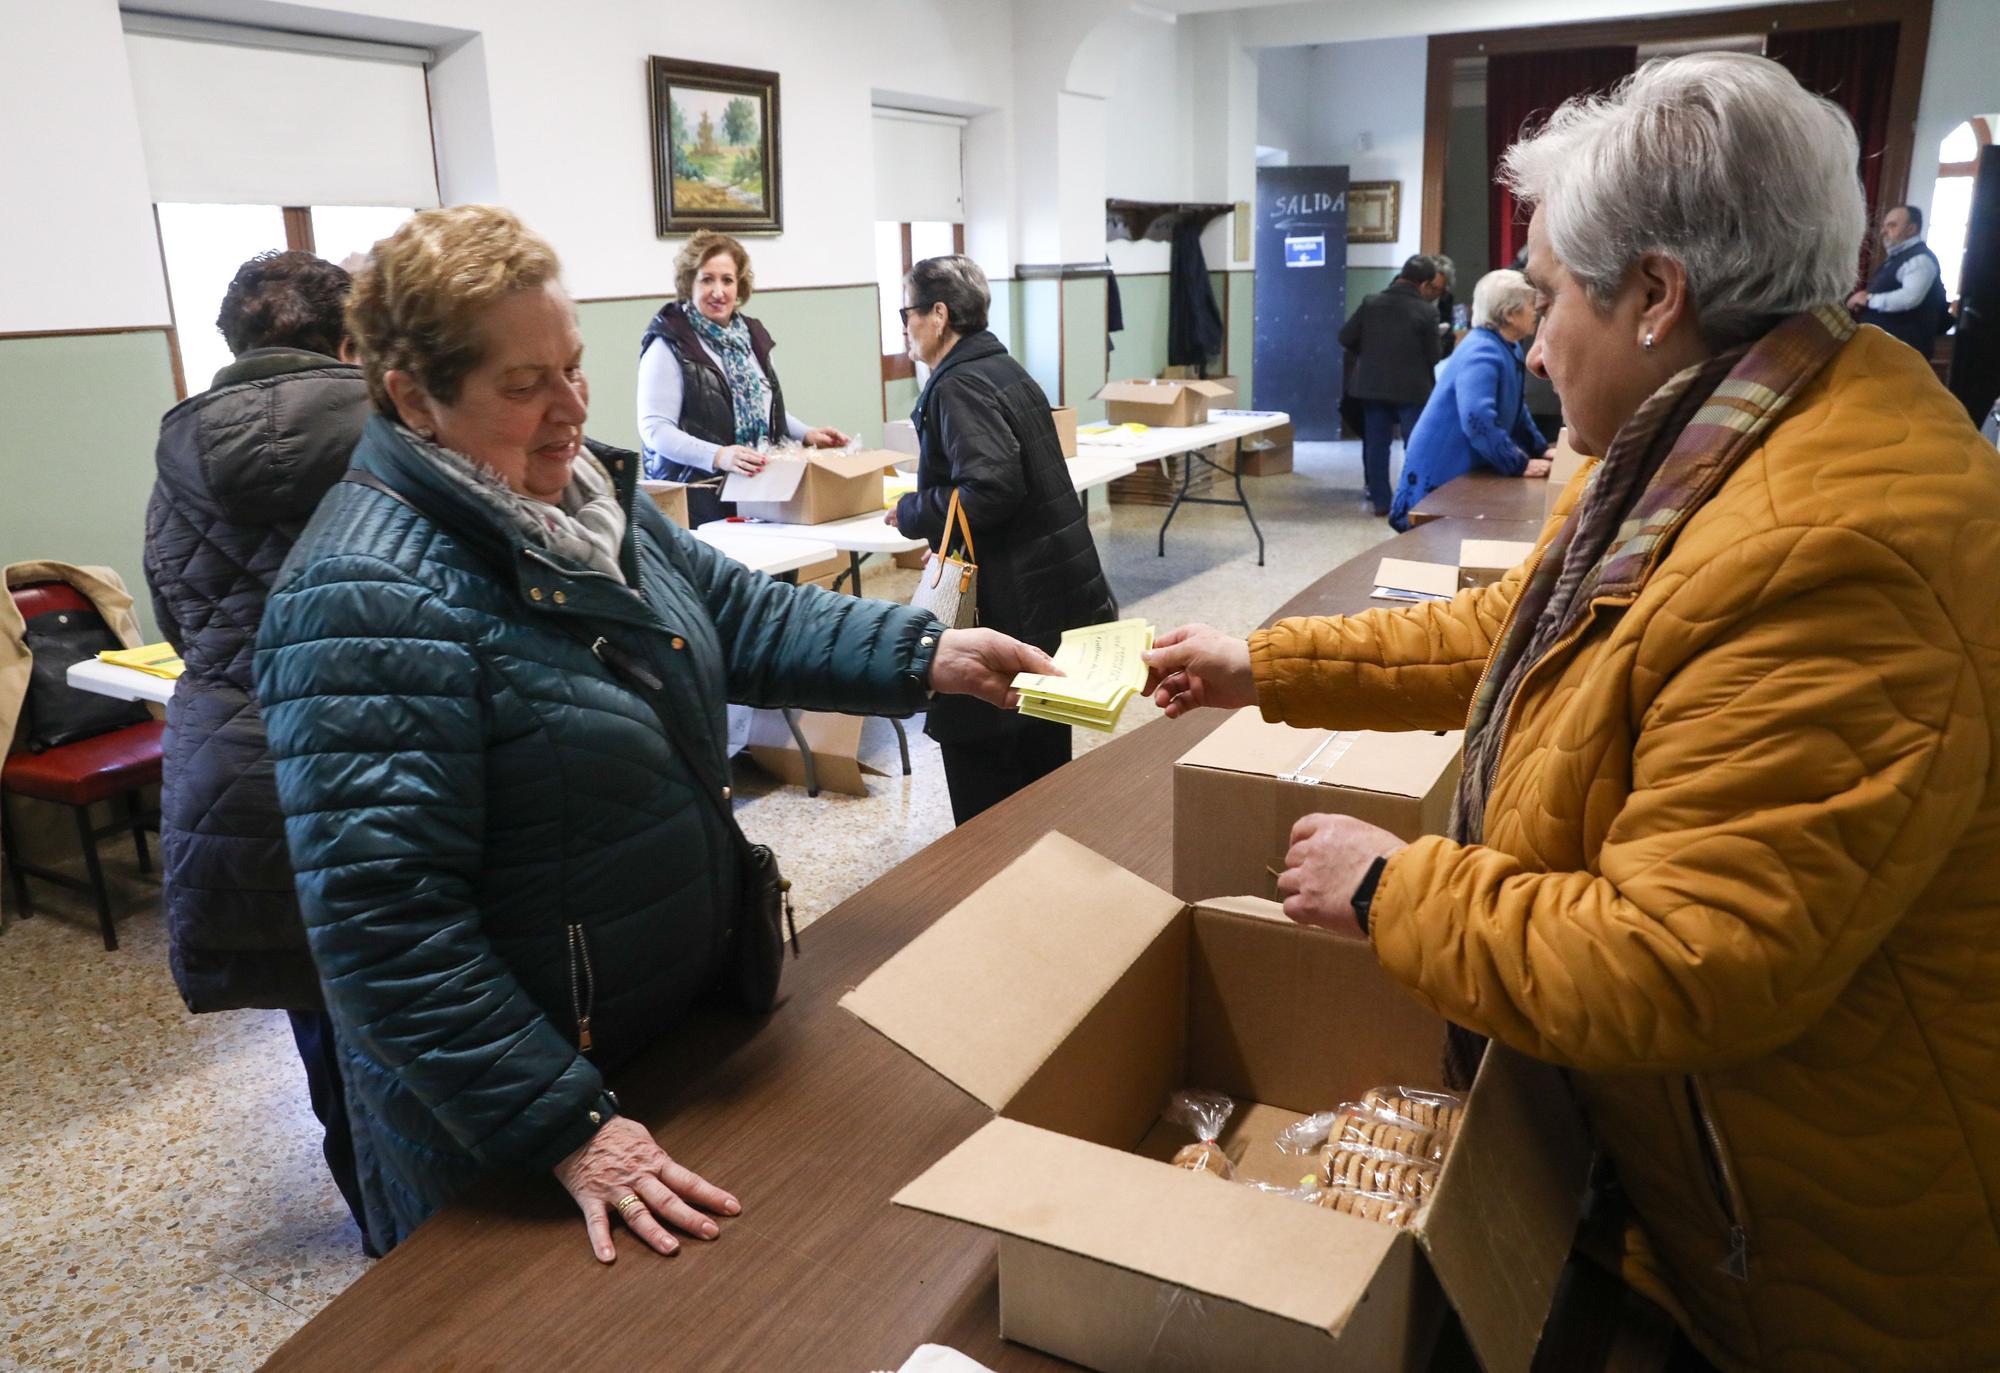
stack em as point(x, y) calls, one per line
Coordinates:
point(1905, 297)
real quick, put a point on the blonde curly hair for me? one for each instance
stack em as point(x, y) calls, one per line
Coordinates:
point(699, 249)
point(417, 301)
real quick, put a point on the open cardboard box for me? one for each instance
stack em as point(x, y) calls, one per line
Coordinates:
point(1072, 998)
point(1162, 404)
point(671, 498)
point(1267, 453)
point(835, 741)
point(1564, 463)
point(1239, 791)
point(1065, 421)
point(811, 487)
point(1482, 562)
point(1181, 373)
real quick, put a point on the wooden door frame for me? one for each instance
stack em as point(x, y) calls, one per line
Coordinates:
point(1905, 89)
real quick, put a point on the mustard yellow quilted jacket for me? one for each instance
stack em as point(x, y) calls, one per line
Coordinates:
point(1741, 874)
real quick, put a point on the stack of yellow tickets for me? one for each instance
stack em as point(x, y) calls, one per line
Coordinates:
point(157, 660)
point(1102, 670)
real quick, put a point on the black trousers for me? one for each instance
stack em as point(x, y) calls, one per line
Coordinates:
point(312, 1031)
point(981, 773)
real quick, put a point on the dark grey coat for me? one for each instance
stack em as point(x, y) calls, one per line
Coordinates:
point(1394, 336)
point(241, 468)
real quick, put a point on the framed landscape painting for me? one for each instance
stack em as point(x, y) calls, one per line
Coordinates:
point(715, 148)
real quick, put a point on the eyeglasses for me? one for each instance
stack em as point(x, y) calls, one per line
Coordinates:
point(903, 312)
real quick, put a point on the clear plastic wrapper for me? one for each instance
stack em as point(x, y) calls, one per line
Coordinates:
point(1379, 1171)
point(1376, 1206)
point(1410, 1121)
point(1204, 1113)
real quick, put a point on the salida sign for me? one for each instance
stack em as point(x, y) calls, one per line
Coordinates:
point(1288, 211)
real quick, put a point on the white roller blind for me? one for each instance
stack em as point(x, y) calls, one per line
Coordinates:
point(229, 124)
point(918, 167)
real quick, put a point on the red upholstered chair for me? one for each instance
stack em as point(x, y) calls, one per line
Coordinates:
point(116, 763)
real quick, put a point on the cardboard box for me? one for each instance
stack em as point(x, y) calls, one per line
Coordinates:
point(900, 436)
point(811, 487)
point(1564, 463)
point(1073, 1019)
point(835, 741)
point(1189, 374)
point(1065, 418)
point(671, 497)
point(823, 572)
point(1268, 454)
point(1162, 404)
point(1482, 562)
point(1239, 791)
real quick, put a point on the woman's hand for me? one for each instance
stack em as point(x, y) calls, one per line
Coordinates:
point(1537, 467)
point(827, 438)
point(1329, 856)
point(620, 1161)
point(984, 663)
point(737, 458)
point(1199, 665)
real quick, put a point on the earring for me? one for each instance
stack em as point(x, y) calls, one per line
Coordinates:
point(428, 434)
point(1648, 344)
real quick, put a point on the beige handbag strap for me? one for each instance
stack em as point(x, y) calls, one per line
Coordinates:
point(956, 516)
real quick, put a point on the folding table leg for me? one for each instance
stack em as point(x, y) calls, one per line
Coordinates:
point(902, 743)
point(805, 750)
point(138, 830)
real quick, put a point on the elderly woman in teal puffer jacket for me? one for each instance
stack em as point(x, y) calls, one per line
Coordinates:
point(1477, 416)
point(510, 879)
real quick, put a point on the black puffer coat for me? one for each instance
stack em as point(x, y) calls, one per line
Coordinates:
point(242, 466)
point(983, 426)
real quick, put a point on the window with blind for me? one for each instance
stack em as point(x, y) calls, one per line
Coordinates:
point(257, 141)
point(919, 210)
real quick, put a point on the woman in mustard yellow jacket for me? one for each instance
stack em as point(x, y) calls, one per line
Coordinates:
point(1728, 841)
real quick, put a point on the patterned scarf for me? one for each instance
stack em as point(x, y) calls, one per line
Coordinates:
point(586, 525)
point(1664, 465)
point(749, 388)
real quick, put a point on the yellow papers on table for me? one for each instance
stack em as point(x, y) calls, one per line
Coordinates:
point(156, 660)
point(895, 486)
point(1102, 670)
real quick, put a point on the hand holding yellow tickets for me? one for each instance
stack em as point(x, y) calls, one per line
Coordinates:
point(1102, 670)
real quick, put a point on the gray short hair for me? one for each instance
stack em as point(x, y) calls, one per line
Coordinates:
point(1448, 269)
point(959, 284)
point(1721, 161)
point(1498, 295)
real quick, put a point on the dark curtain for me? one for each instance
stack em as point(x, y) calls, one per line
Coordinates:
point(1854, 68)
point(1194, 320)
point(1522, 88)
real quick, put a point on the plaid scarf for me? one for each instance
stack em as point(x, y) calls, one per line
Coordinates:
point(749, 388)
point(1663, 466)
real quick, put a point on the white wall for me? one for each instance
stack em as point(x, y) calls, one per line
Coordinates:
point(1358, 105)
point(77, 246)
point(1960, 80)
point(1337, 21)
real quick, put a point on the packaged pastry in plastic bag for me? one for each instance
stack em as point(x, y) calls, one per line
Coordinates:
point(1379, 1171)
point(1204, 1113)
point(1375, 1206)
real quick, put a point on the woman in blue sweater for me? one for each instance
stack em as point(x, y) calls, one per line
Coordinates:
point(1476, 418)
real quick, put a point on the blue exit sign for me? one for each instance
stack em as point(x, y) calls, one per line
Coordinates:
point(1306, 252)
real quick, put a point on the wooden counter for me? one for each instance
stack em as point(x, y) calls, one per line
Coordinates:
point(813, 1120)
point(1486, 496)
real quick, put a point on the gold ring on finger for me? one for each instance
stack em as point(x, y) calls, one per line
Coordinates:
point(627, 1204)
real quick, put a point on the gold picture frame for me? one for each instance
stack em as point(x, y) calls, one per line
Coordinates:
point(1374, 211)
point(716, 162)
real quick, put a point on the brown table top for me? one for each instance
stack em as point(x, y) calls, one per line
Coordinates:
point(1487, 496)
point(813, 1119)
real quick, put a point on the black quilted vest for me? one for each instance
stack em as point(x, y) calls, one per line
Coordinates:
point(708, 408)
point(1920, 325)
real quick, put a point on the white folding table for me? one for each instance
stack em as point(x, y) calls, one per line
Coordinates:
point(124, 683)
point(1190, 442)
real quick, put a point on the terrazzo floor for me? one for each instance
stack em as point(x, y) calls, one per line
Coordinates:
point(163, 1204)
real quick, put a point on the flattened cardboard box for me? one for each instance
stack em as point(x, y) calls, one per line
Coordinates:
point(1072, 998)
point(1162, 404)
point(1239, 791)
point(812, 488)
point(671, 497)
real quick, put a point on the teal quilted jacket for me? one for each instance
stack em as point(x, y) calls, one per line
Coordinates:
point(508, 880)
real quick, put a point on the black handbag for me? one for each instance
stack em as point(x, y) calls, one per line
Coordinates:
point(56, 713)
point(753, 942)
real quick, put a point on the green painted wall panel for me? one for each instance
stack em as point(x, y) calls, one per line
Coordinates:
point(1363, 282)
point(1083, 347)
point(1140, 348)
point(83, 416)
point(1039, 341)
point(827, 355)
point(899, 398)
point(1243, 332)
point(1466, 211)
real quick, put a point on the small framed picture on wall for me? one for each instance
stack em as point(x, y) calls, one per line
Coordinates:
point(715, 148)
point(1372, 211)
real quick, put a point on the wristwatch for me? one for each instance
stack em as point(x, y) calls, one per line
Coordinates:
point(1364, 895)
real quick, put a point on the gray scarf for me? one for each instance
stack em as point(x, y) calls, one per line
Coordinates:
point(587, 525)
